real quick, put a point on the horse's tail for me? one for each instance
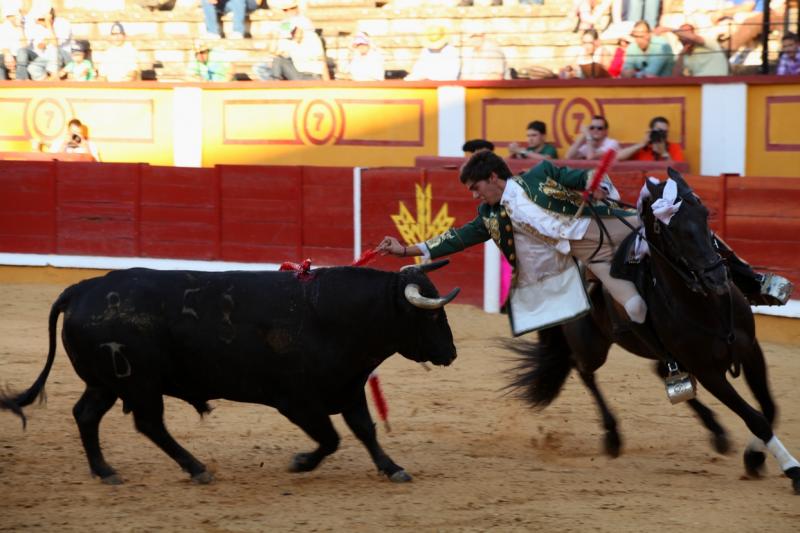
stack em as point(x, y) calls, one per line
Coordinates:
point(15, 402)
point(543, 366)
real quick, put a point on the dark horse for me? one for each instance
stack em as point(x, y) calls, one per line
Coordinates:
point(704, 322)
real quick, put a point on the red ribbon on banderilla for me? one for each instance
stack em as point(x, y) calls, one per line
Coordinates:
point(303, 271)
point(597, 177)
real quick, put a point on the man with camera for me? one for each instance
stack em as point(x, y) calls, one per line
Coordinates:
point(75, 141)
point(655, 146)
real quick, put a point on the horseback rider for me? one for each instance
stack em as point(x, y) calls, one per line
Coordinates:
point(537, 221)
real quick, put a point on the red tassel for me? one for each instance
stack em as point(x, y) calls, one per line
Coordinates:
point(601, 170)
point(380, 400)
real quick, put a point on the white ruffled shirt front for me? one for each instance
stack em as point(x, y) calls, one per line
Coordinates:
point(541, 237)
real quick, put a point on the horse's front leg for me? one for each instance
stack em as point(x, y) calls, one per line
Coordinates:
point(612, 442)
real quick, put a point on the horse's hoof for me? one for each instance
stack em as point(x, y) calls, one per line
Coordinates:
point(794, 474)
point(754, 463)
point(401, 476)
point(721, 443)
point(302, 462)
point(113, 479)
point(613, 445)
point(203, 478)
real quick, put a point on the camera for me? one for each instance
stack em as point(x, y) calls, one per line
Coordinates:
point(76, 138)
point(658, 136)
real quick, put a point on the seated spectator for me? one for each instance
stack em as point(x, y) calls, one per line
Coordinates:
point(647, 10)
point(213, 10)
point(537, 147)
point(596, 14)
point(75, 141)
point(366, 61)
point(80, 67)
point(483, 59)
point(746, 18)
point(618, 57)
point(593, 60)
point(291, 15)
point(593, 141)
point(700, 56)
point(655, 146)
point(789, 62)
point(12, 38)
point(439, 60)
point(43, 57)
point(648, 56)
point(119, 61)
point(207, 65)
point(300, 58)
point(477, 145)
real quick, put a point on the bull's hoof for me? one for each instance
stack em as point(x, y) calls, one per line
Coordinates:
point(303, 462)
point(401, 476)
point(721, 443)
point(113, 479)
point(613, 445)
point(203, 478)
point(754, 463)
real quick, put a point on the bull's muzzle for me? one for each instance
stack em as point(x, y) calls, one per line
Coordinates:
point(423, 302)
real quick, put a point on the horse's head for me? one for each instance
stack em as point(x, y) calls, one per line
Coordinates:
point(676, 224)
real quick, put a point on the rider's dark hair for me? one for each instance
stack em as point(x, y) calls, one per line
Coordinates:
point(481, 166)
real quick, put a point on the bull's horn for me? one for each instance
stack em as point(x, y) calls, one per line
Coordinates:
point(423, 302)
point(427, 267)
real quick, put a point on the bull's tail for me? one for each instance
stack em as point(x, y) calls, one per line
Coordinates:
point(15, 402)
point(544, 366)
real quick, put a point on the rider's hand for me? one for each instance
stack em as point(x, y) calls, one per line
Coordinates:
point(390, 245)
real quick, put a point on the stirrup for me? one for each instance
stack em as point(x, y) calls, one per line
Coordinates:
point(681, 386)
point(775, 289)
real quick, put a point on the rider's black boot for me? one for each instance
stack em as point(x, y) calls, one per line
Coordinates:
point(759, 289)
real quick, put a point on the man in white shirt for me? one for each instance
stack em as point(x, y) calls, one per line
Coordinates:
point(439, 59)
point(12, 38)
point(593, 141)
point(119, 62)
point(49, 41)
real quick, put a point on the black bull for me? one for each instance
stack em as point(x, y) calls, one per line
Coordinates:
point(302, 343)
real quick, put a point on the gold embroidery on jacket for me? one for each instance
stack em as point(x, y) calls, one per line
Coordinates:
point(439, 239)
point(530, 230)
point(555, 190)
point(493, 227)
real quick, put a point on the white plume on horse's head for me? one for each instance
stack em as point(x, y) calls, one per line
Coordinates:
point(664, 208)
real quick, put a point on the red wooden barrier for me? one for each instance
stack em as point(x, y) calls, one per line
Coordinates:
point(763, 223)
point(27, 207)
point(274, 214)
point(97, 209)
point(327, 221)
point(179, 213)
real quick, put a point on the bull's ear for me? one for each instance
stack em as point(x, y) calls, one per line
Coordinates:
point(428, 267)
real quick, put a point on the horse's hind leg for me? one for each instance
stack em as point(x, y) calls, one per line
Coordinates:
point(612, 442)
point(755, 421)
point(148, 415)
point(719, 439)
point(88, 411)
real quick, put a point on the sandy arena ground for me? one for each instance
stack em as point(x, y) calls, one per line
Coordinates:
point(481, 460)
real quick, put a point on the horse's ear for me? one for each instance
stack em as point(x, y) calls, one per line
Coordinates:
point(652, 186)
point(678, 178)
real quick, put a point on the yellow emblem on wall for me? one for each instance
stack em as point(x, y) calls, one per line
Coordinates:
point(425, 225)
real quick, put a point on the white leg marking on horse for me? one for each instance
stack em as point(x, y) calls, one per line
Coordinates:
point(781, 454)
